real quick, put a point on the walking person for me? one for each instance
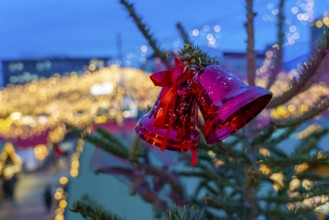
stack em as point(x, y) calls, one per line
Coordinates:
point(47, 196)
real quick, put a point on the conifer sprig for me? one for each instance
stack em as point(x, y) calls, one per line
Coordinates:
point(89, 209)
point(183, 33)
point(194, 57)
point(306, 72)
point(145, 31)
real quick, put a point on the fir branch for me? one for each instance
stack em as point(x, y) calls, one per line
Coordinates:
point(283, 136)
point(277, 151)
point(185, 212)
point(145, 31)
point(165, 176)
point(310, 175)
point(183, 33)
point(109, 137)
point(229, 151)
point(104, 141)
point(108, 146)
point(287, 215)
point(140, 186)
point(194, 57)
point(263, 135)
point(251, 56)
point(311, 141)
point(203, 184)
point(223, 204)
point(306, 72)
point(192, 174)
point(321, 105)
point(210, 176)
point(318, 191)
point(126, 172)
point(278, 51)
point(297, 159)
point(89, 209)
point(133, 156)
point(271, 144)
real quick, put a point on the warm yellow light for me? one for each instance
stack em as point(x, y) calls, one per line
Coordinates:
point(60, 190)
point(307, 184)
point(265, 152)
point(294, 184)
point(319, 24)
point(9, 152)
point(74, 172)
point(63, 180)
point(40, 151)
point(16, 115)
point(291, 108)
point(219, 163)
point(92, 67)
point(62, 204)
point(100, 119)
point(58, 195)
point(50, 104)
point(59, 211)
point(59, 217)
point(308, 131)
point(75, 164)
point(303, 108)
point(265, 169)
point(326, 21)
point(301, 167)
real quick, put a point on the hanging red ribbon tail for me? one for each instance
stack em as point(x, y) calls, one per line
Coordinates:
point(172, 77)
point(194, 152)
point(194, 158)
point(171, 120)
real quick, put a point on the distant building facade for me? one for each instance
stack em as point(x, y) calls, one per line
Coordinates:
point(23, 71)
point(236, 62)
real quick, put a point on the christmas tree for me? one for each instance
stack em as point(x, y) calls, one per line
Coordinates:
point(249, 175)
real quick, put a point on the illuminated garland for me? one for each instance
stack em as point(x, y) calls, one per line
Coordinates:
point(8, 152)
point(61, 195)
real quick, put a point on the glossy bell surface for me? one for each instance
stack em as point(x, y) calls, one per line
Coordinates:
point(226, 103)
point(183, 132)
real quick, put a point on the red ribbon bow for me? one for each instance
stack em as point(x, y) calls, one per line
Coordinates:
point(172, 77)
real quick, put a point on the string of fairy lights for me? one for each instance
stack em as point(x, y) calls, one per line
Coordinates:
point(61, 194)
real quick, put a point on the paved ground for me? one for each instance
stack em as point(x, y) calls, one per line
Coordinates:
point(28, 202)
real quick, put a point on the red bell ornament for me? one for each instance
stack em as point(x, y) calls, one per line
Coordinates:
point(171, 127)
point(226, 103)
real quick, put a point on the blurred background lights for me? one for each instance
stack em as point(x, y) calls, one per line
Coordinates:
point(102, 89)
point(217, 28)
point(144, 48)
point(195, 32)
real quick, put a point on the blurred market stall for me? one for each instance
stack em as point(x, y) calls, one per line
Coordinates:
point(39, 112)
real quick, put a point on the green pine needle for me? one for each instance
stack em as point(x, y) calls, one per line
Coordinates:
point(194, 57)
point(185, 213)
point(89, 209)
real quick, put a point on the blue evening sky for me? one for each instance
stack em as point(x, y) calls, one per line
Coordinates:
point(84, 28)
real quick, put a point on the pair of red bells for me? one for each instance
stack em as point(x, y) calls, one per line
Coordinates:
point(226, 104)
